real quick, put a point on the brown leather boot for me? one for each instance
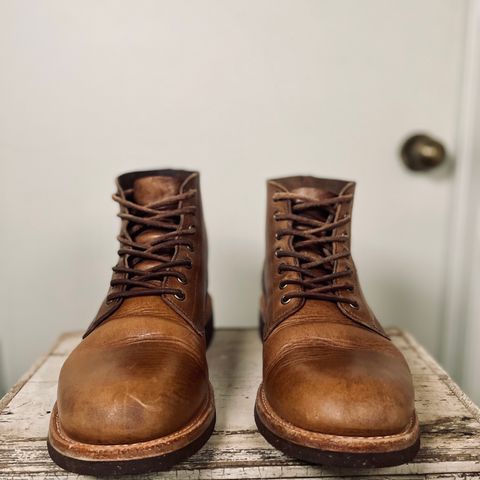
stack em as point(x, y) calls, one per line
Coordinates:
point(134, 396)
point(335, 390)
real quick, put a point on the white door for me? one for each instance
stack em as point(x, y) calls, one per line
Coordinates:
point(242, 91)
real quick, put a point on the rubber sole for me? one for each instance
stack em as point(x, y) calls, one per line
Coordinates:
point(345, 452)
point(129, 467)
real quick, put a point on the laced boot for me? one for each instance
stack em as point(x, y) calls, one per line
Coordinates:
point(335, 390)
point(134, 396)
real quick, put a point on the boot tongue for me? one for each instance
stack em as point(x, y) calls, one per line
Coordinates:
point(323, 214)
point(312, 193)
point(148, 190)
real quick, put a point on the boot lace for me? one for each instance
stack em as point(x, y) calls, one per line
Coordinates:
point(313, 224)
point(163, 219)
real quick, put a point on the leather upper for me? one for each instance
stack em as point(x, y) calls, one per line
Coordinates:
point(328, 366)
point(193, 309)
point(141, 373)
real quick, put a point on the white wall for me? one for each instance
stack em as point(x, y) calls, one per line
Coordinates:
point(239, 90)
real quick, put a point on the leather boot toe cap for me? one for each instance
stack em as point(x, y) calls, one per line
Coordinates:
point(342, 392)
point(130, 393)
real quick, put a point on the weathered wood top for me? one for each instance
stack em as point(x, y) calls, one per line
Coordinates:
point(450, 421)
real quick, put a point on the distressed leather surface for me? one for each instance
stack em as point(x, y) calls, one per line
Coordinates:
point(140, 372)
point(328, 366)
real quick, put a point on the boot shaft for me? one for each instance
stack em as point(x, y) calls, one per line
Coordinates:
point(308, 263)
point(163, 246)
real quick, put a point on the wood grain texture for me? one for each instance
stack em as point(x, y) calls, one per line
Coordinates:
point(450, 422)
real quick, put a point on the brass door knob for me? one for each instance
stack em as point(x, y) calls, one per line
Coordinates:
point(421, 152)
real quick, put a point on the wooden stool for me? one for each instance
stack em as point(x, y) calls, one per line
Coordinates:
point(450, 421)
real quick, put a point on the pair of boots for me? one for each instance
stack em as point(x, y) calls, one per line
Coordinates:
point(134, 396)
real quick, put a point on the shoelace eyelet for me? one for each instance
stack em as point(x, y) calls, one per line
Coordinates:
point(285, 300)
point(355, 306)
point(181, 280)
point(179, 296)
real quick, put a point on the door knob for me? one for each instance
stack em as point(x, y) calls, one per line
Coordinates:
point(421, 152)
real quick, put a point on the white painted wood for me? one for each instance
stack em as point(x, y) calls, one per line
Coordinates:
point(462, 287)
point(242, 90)
point(470, 375)
point(450, 421)
point(461, 337)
